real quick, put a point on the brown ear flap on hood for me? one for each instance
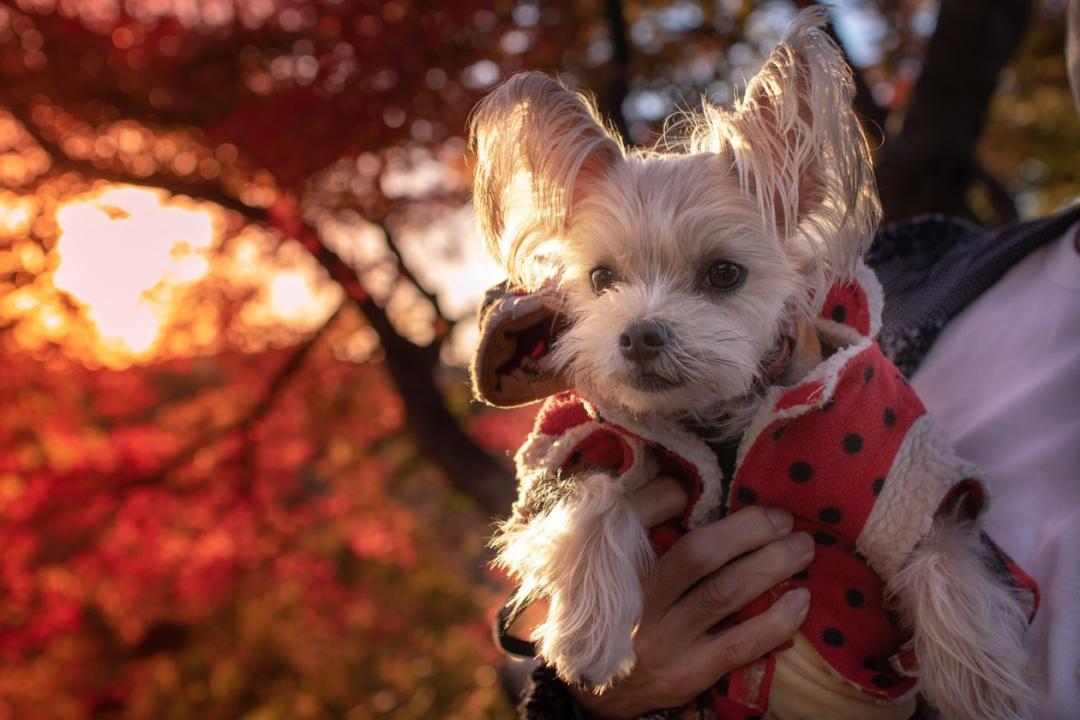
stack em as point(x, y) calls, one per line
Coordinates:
point(517, 330)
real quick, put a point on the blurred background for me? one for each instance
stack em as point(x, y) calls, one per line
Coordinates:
point(240, 474)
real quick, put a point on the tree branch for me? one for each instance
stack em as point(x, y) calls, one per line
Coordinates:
point(258, 410)
point(405, 274)
point(412, 368)
point(169, 182)
point(619, 84)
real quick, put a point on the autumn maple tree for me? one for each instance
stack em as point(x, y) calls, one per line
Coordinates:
point(240, 474)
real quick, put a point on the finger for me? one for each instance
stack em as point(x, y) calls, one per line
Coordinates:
point(733, 586)
point(706, 549)
point(747, 641)
point(661, 499)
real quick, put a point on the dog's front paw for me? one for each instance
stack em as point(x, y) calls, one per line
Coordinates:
point(593, 659)
point(594, 567)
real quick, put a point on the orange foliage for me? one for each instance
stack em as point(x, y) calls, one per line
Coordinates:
point(170, 546)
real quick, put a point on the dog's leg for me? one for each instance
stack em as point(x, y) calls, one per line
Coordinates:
point(587, 554)
point(968, 626)
point(596, 566)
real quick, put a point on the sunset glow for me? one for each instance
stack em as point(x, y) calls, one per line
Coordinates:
point(115, 247)
point(133, 275)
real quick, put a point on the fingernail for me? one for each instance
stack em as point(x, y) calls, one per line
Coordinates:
point(800, 543)
point(797, 601)
point(780, 518)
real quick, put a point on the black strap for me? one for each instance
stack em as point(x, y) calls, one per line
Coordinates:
point(510, 644)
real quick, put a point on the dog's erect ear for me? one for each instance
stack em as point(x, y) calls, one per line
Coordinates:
point(537, 146)
point(797, 146)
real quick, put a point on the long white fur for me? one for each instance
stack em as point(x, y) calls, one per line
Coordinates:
point(533, 139)
point(799, 148)
point(587, 555)
point(782, 185)
point(968, 626)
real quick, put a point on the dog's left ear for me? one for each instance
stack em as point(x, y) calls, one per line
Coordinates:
point(797, 146)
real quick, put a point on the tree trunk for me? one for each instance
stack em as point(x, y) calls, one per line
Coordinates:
point(930, 165)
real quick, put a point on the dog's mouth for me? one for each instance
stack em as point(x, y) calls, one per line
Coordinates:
point(653, 382)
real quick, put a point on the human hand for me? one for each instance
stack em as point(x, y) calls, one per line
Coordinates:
point(707, 575)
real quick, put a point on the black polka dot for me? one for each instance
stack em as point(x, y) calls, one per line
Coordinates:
point(833, 637)
point(779, 433)
point(800, 472)
point(823, 538)
point(878, 484)
point(871, 663)
point(801, 576)
point(868, 373)
point(829, 515)
point(575, 457)
point(852, 443)
point(893, 618)
point(889, 417)
point(839, 314)
point(853, 597)
point(746, 495)
point(881, 681)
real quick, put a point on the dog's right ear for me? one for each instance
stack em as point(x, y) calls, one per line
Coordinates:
point(537, 146)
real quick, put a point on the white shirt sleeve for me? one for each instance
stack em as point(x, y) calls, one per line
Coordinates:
point(1003, 379)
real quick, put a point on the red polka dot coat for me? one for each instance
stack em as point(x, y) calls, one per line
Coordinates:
point(850, 451)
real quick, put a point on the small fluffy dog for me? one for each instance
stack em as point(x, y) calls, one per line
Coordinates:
point(709, 307)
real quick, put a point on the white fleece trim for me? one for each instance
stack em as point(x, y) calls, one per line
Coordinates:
point(761, 420)
point(644, 467)
point(542, 455)
point(923, 472)
point(837, 334)
point(690, 448)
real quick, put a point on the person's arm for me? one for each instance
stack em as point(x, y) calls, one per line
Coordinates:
point(708, 574)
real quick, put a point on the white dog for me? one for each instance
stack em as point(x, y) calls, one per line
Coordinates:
point(689, 287)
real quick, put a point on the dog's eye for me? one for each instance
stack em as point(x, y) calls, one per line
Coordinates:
point(602, 278)
point(725, 276)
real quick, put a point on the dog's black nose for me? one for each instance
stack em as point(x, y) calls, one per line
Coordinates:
point(643, 340)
